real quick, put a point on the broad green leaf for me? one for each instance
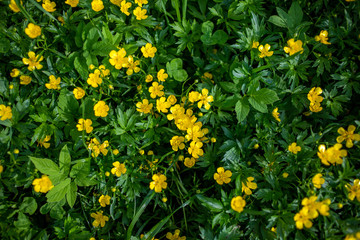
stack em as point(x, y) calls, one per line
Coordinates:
point(81, 168)
point(210, 203)
point(265, 95)
point(71, 194)
point(29, 205)
point(23, 221)
point(276, 20)
point(295, 13)
point(180, 75)
point(258, 105)
point(81, 67)
point(229, 87)
point(242, 109)
point(219, 37)
point(45, 166)
point(58, 192)
point(64, 160)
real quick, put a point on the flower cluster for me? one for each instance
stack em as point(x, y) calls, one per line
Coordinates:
point(311, 210)
point(119, 60)
point(96, 147)
point(315, 99)
point(42, 184)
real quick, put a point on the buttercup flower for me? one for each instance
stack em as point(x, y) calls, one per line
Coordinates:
point(156, 90)
point(33, 61)
point(293, 47)
point(5, 112)
point(302, 219)
point(354, 190)
point(100, 219)
point(148, 50)
point(140, 13)
point(222, 176)
point(101, 109)
point(158, 183)
point(104, 200)
point(42, 184)
point(162, 105)
point(132, 66)
point(318, 180)
point(175, 236)
point(323, 37)
point(276, 114)
point(248, 186)
point(79, 93)
point(349, 136)
point(124, 7)
point(53, 83)
point(264, 51)
point(204, 99)
point(118, 169)
point(177, 142)
point(162, 76)
point(44, 142)
point(94, 79)
point(32, 30)
point(25, 80)
point(141, 2)
point(194, 96)
point(118, 59)
point(293, 148)
point(171, 99)
point(72, 3)
point(116, 2)
point(144, 106)
point(49, 6)
point(314, 95)
point(333, 155)
point(255, 44)
point(195, 149)
point(14, 72)
point(189, 162)
point(1, 169)
point(13, 6)
point(238, 204)
point(97, 5)
point(355, 236)
point(149, 78)
point(84, 124)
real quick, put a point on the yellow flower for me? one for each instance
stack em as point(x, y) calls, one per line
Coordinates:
point(79, 93)
point(238, 204)
point(348, 136)
point(84, 125)
point(103, 71)
point(175, 236)
point(132, 66)
point(97, 5)
point(189, 162)
point(194, 96)
point(195, 149)
point(116, 152)
point(49, 6)
point(116, 2)
point(315, 107)
point(44, 142)
point(285, 175)
point(141, 2)
point(72, 3)
point(162, 105)
point(118, 59)
point(118, 169)
point(140, 13)
point(318, 180)
point(213, 140)
point(302, 219)
point(61, 19)
point(14, 72)
point(96, 147)
point(159, 182)
point(156, 90)
point(207, 75)
point(144, 106)
point(264, 51)
point(314, 95)
point(276, 114)
point(255, 44)
point(222, 176)
point(101, 109)
point(293, 47)
point(293, 148)
point(54, 83)
point(42, 184)
point(25, 80)
point(142, 152)
point(204, 99)
point(148, 50)
point(94, 79)
point(172, 100)
point(177, 142)
point(13, 6)
point(100, 219)
point(355, 236)
point(104, 200)
point(32, 30)
point(1, 169)
point(124, 7)
point(148, 78)
point(16, 151)
point(194, 132)
point(5, 112)
point(354, 190)
point(162, 76)
point(323, 37)
point(248, 186)
point(33, 61)
point(333, 155)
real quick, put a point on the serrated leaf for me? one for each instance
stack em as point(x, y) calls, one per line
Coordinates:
point(210, 203)
point(265, 95)
point(276, 20)
point(64, 160)
point(71, 194)
point(45, 166)
point(260, 106)
point(58, 192)
point(242, 109)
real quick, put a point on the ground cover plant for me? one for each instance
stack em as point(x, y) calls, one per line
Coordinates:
point(179, 119)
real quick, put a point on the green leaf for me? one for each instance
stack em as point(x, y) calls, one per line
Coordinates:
point(276, 20)
point(180, 75)
point(58, 192)
point(242, 109)
point(23, 221)
point(81, 168)
point(45, 166)
point(64, 160)
point(81, 66)
point(219, 37)
point(71, 194)
point(258, 105)
point(210, 203)
point(29, 205)
point(229, 87)
point(295, 13)
point(265, 95)
point(102, 48)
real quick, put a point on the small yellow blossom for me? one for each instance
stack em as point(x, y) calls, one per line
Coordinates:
point(116, 152)
point(33, 61)
point(149, 78)
point(42, 184)
point(84, 124)
point(293, 47)
point(142, 152)
point(72, 3)
point(144, 106)
point(132, 66)
point(175, 236)
point(294, 148)
point(318, 180)
point(222, 176)
point(194, 96)
point(116, 2)
point(162, 76)
point(14, 72)
point(276, 114)
point(354, 236)
point(148, 50)
point(158, 183)
point(14, 7)
point(140, 13)
point(204, 99)
point(141, 2)
point(333, 155)
point(285, 175)
point(349, 136)
point(264, 51)
point(101, 109)
point(49, 6)
point(16, 151)
point(213, 140)
point(79, 93)
point(172, 100)
point(118, 59)
point(124, 7)
point(156, 90)
point(189, 162)
point(5, 112)
point(104, 200)
point(118, 169)
point(255, 44)
point(1, 169)
point(195, 149)
point(53, 83)
point(44, 142)
point(238, 204)
point(25, 80)
point(302, 219)
point(162, 105)
point(107, 173)
point(32, 30)
point(354, 190)
point(177, 142)
point(94, 79)
point(100, 219)
point(323, 37)
point(248, 186)
point(97, 5)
